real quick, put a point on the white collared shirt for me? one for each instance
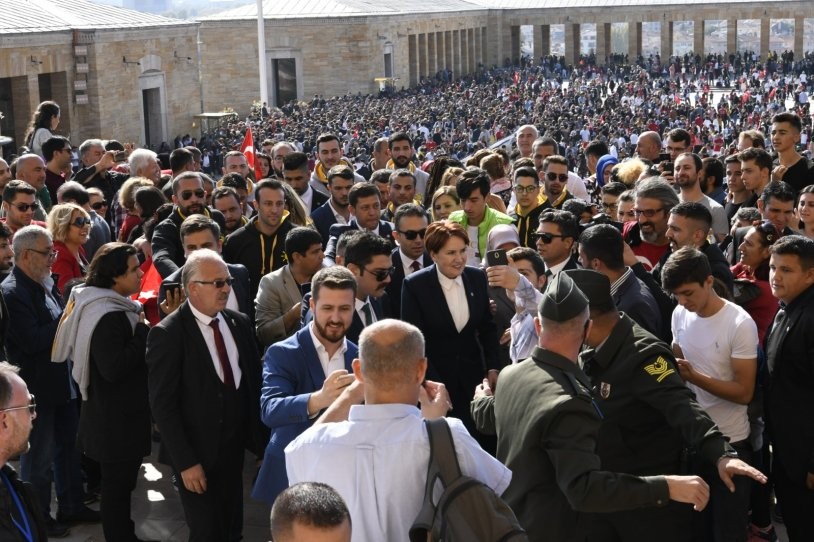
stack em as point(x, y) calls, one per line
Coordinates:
point(359, 310)
point(557, 268)
point(383, 450)
point(338, 217)
point(307, 198)
point(456, 299)
point(337, 361)
point(229, 341)
point(407, 263)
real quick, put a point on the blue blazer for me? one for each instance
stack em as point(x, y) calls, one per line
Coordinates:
point(323, 218)
point(291, 372)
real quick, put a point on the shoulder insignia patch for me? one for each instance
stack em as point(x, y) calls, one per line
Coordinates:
point(659, 369)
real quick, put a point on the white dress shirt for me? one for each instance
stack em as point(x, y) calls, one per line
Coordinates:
point(456, 299)
point(407, 263)
point(377, 461)
point(337, 361)
point(360, 311)
point(229, 341)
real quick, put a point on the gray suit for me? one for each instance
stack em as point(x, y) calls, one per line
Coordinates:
point(278, 292)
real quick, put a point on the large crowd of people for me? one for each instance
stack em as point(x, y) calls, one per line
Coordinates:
point(601, 277)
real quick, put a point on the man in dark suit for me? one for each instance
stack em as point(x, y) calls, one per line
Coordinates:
point(296, 174)
point(204, 385)
point(365, 206)
point(34, 309)
point(335, 210)
point(197, 232)
point(557, 234)
point(189, 198)
point(367, 256)
point(305, 373)
point(410, 223)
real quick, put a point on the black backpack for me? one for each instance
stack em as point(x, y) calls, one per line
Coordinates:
point(467, 510)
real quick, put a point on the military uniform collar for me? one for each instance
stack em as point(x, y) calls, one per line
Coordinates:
point(606, 352)
point(542, 356)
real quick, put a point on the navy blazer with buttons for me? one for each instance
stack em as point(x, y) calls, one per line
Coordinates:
point(291, 372)
point(385, 230)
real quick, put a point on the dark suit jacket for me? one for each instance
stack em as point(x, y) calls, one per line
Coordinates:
point(241, 287)
point(458, 359)
point(186, 395)
point(33, 318)
point(291, 372)
point(385, 230)
point(392, 301)
point(168, 251)
point(318, 199)
point(323, 218)
point(358, 325)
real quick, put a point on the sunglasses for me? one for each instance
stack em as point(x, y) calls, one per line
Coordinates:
point(526, 189)
point(81, 222)
point(649, 213)
point(381, 274)
point(410, 235)
point(546, 238)
point(98, 205)
point(551, 176)
point(186, 194)
point(31, 406)
point(24, 207)
point(217, 283)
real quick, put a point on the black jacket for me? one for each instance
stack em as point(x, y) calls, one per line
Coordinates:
point(25, 492)
point(168, 251)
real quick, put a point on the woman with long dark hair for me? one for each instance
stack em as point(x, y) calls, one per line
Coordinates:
point(43, 123)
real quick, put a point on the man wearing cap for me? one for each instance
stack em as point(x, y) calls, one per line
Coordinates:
point(547, 426)
point(648, 416)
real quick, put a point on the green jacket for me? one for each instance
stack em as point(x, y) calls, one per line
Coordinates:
point(491, 219)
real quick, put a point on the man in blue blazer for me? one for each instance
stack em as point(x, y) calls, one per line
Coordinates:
point(305, 373)
point(340, 181)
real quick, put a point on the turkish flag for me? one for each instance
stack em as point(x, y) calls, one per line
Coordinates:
point(247, 147)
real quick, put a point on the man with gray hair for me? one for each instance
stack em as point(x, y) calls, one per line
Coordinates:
point(204, 386)
point(647, 235)
point(383, 446)
point(144, 163)
point(524, 139)
point(96, 170)
point(34, 308)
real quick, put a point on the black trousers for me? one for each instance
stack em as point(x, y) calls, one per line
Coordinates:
point(670, 523)
point(217, 514)
point(796, 504)
point(118, 482)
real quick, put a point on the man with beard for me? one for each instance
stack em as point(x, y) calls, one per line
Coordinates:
point(689, 170)
point(401, 190)
point(188, 195)
point(226, 200)
point(401, 157)
point(19, 205)
point(329, 155)
point(554, 175)
point(647, 234)
point(305, 373)
point(296, 174)
point(367, 256)
point(17, 408)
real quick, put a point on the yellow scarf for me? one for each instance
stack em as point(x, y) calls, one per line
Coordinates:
point(392, 165)
point(322, 175)
point(543, 198)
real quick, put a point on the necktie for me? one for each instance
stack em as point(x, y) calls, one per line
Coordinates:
point(368, 314)
point(223, 357)
point(415, 266)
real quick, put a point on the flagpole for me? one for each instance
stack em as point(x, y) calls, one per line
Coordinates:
point(261, 54)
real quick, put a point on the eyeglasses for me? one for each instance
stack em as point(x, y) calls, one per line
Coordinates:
point(186, 194)
point(551, 176)
point(649, 213)
point(31, 406)
point(24, 207)
point(50, 254)
point(81, 222)
point(380, 274)
point(410, 235)
point(217, 283)
point(98, 205)
point(526, 189)
point(546, 237)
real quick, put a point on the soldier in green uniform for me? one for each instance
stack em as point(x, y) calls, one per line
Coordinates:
point(651, 419)
point(547, 424)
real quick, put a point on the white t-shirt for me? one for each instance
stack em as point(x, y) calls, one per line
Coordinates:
point(710, 344)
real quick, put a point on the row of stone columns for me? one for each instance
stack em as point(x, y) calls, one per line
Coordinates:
point(459, 50)
point(542, 38)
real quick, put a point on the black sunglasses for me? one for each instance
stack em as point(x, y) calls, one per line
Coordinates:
point(410, 235)
point(380, 274)
point(551, 176)
point(217, 283)
point(186, 194)
point(81, 222)
point(24, 207)
point(546, 237)
point(98, 205)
